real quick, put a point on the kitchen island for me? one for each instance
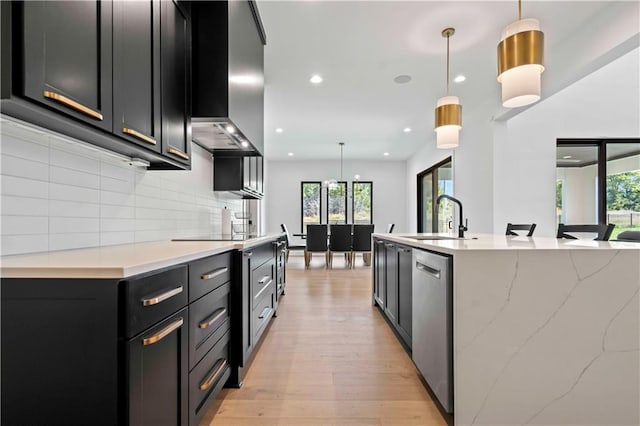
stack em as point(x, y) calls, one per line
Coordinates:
point(545, 331)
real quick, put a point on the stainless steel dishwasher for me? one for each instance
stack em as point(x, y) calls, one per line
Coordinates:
point(432, 325)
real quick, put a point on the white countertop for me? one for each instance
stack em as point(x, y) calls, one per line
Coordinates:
point(473, 242)
point(117, 261)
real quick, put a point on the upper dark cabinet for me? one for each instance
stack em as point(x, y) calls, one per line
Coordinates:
point(242, 176)
point(228, 75)
point(176, 85)
point(68, 58)
point(136, 72)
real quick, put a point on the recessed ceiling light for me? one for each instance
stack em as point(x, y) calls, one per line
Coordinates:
point(386, 154)
point(407, 129)
point(460, 78)
point(316, 79)
point(230, 129)
point(290, 154)
point(279, 130)
point(402, 79)
point(244, 144)
point(566, 157)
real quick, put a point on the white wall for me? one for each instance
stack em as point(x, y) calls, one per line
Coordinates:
point(472, 172)
point(282, 192)
point(59, 194)
point(603, 104)
point(578, 194)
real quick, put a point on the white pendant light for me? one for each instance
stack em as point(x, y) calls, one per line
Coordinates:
point(448, 111)
point(520, 61)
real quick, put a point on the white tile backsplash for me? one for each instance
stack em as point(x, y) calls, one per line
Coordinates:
point(59, 193)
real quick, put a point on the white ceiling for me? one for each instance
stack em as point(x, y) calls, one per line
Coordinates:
point(360, 46)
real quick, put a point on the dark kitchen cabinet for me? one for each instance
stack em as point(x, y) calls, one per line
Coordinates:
point(254, 304)
point(393, 286)
point(405, 288)
point(379, 276)
point(175, 42)
point(391, 274)
point(112, 74)
point(242, 176)
point(68, 58)
point(136, 72)
point(158, 373)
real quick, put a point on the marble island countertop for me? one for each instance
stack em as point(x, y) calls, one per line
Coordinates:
point(117, 261)
point(447, 243)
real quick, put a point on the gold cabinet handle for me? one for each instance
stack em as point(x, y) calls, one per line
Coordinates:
point(138, 135)
point(214, 273)
point(217, 369)
point(72, 104)
point(161, 297)
point(178, 153)
point(163, 333)
point(213, 318)
point(266, 286)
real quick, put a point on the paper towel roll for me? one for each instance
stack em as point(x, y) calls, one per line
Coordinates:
point(226, 221)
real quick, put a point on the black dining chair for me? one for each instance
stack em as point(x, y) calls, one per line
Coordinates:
point(288, 242)
point(316, 242)
point(603, 231)
point(361, 243)
point(521, 227)
point(390, 228)
point(340, 242)
point(629, 236)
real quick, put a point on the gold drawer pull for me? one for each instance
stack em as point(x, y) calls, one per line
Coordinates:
point(178, 153)
point(217, 369)
point(161, 297)
point(163, 333)
point(72, 104)
point(136, 134)
point(257, 296)
point(265, 313)
point(213, 318)
point(214, 273)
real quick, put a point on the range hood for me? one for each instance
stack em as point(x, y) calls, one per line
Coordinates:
point(228, 77)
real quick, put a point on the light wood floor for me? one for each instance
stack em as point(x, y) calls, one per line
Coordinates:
point(329, 358)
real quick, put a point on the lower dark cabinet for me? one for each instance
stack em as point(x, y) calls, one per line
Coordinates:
point(393, 286)
point(158, 373)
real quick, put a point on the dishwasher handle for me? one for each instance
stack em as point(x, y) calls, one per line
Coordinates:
point(428, 270)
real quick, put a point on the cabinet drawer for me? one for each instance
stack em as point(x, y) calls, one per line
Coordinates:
point(263, 312)
point(262, 253)
point(207, 274)
point(261, 279)
point(207, 378)
point(208, 321)
point(149, 299)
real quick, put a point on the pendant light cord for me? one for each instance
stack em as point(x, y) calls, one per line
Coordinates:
point(448, 37)
point(519, 10)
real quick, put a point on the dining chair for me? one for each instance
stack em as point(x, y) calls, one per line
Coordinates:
point(603, 231)
point(361, 243)
point(521, 227)
point(629, 236)
point(390, 228)
point(316, 242)
point(288, 242)
point(340, 242)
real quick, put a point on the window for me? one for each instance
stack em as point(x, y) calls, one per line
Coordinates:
point(362, 202)
point(599, 182)
point(337, 204)
point(311, 204)
point(432, 183)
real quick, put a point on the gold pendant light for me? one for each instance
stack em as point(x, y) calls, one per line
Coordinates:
point(448, 111)
point(520, 61)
